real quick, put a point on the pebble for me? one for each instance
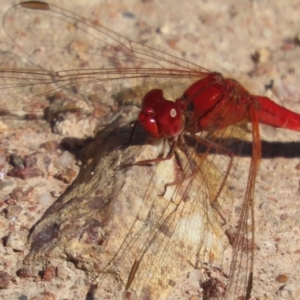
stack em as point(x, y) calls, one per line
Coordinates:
point(45, 199)
point(4, 280)
point(63, 272)
point(67, 175)
point(282, 278)
point(195, 275)
point(12, 211)
point(16, 240)
point(25, 173)
point(261, 55)
point(64, 160)
point(49, 273)
point(25, 272)
point(50, 145)
point(20, 194)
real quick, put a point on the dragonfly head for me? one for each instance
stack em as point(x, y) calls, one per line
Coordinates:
point(160, 117)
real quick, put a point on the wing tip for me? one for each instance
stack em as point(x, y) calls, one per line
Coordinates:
point(35, 5)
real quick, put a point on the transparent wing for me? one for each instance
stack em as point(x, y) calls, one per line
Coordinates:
point(51, 32)
point(88, 61)
point(242, 265)
point(184, 228)
point(174, 232)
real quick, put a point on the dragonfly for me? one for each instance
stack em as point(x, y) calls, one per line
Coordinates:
point(187, 105)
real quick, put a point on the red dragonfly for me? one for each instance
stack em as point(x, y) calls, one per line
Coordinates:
point(204, 106)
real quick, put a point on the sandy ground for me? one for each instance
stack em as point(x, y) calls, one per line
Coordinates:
point(255, 42)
